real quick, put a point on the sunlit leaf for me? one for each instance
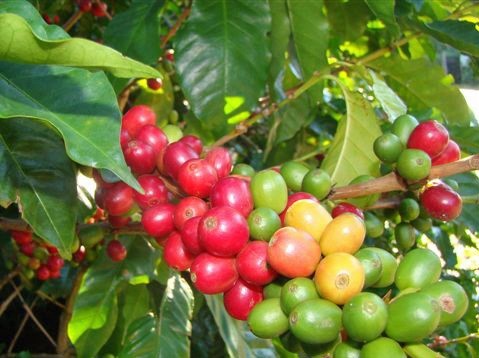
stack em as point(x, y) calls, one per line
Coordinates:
point(461, 35)
point(389, 100)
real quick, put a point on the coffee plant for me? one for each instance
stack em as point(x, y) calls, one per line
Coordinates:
point(210, 178)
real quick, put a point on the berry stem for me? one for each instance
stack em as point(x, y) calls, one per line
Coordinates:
point(67, 26)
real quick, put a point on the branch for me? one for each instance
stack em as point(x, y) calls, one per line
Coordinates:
point(20, 328)
point(393, 182)
point(176, 26)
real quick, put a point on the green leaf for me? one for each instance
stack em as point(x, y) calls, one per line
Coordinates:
point(18, 43)
point(462, 35)
point(422, 85)
point(280, 32)
point(466, 137)
point(468, 185)
point(389, 100)
point(296, 115)
point(36, 173)
point(90, 343)
point(384, 10)
point(238, 338)
point(226, 44)
point(136, 31)
point(310, 30)
point(167, 335)
point(348, 19)
point(99, 286)
point(81, 105)
point(29, 12)
point(351, 152)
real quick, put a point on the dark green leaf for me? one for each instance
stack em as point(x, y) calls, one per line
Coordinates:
point(466, 137)
point(351, 152)
point(443, 242)
point(423, 84)
point(468, 185)
point(167, 336)
point(36, 173)
point(29, 12)
point(310, 30)
point(384, 10)
point(136, 31)
point(81, 105)
point(238, 339)
point(348, 19)
point(462, 35)
point(19, 43)
point(99, 286)
point(280, 32)
point(296, 115)
point(226, 44)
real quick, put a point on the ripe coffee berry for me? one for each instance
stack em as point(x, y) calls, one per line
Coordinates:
point(212, 274)
point(220, 159)
point(430, 137)
point(154, 83)
point(55, 263)
point(450, 154)
point(441, 202)
point(43, 273)
point(21, 237)
point(116, 250)
point(346, 207)
point(197, 177)
point(158, 220)
point(241, 298)
point(140, 157)
point(99, 9)
point(118, 200)
point(137, 117)
point(154, 137)
point(175, 253)
point(194, 142)
point(188, 208)
point(175, 155)
point(155, 191)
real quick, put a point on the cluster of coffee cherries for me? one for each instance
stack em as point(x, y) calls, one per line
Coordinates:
point(36, 258)
point(414, 148)
point(96, 8)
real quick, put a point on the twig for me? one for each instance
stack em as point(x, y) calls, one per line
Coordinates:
point(8, 300)
point(393, 182)
point(176, 26)
point(125, 94)
point(32, 316)
point(48, 298)
point(62, 338)
point(9, 276)
point(20, 328)
point(67, 26)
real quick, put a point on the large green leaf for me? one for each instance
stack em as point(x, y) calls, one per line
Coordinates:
point(384, 10)
point(168, 335)
point(36, 173)
point(136, 34)
point(296, 115)
point(280, 32)
point(81, 105)
point(238, 338)
point(99, 286)
point(351, 152)
point(422, 85)
point(222, 56)
point(389, 100)
point(462, 35)
point(466, 137)
point(19, 43)
point(348, 19)
point(26, 10)
point(468, 186)
point(310, 30)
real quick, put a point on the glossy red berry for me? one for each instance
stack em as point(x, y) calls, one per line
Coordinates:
point(28, 248)
point(118, 221)
point(21, 237)
point(252, 264)
point(154, 137)
point(154, 83)
point(84, 5)
point(116, 251)
point(346, 208)
point(155, 191)
point(55, 274)
point(55, 263)
point(79, 255)
point(189, 235)
point(43, 273)
point(140, 157)
point(223, 231)
point(233, 192)
point(170, 55)
point(450, 154)
point(241, 298)
point(118, 200)
point(175, 254)
point(175, 155)
point(136, 118)
point(158, 220)
point(197, 177)
point(99, 9)
point(430, 137)
point(441, 202)
point(212, 274)
point(220, 158)
point(194, 142)
point(188, 208)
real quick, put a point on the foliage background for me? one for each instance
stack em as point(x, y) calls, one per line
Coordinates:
point(273, 80)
